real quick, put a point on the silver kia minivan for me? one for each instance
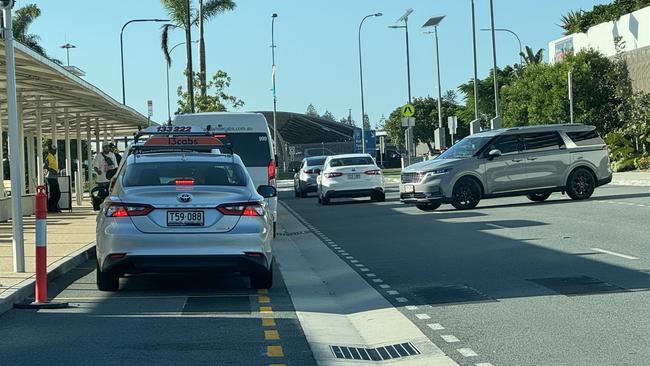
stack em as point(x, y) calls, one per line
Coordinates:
point(533, 161)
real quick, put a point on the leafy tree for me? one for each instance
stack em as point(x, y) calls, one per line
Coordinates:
point(485, 94)
point(177, 11)
point(532, 58)
point(22, 20)
point(329, 116)
point(311, 111)
point(366, 122)
point(581, 21)
point(217, 102)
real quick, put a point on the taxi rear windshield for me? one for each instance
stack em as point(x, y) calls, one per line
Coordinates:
point(174, 173)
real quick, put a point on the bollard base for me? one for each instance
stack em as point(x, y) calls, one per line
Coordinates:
point(42, 305)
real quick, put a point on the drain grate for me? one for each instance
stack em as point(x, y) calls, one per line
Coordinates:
point(450, 294)
point(217, 304)
point(295, 233)
point(577, 286)
point(375, 354)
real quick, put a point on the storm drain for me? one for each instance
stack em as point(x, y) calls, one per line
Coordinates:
point(577, 286)
point(451, 294)
point(375, 354)
point(295, 233)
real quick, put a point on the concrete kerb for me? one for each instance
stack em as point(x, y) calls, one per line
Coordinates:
point(25, 289)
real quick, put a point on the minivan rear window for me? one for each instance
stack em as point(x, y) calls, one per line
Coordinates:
point(195, 173)
point(252, 148)
point(360, 160)
point(586, 138)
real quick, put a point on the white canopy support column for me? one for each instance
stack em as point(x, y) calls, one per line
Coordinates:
point(68, 155)
point(31, 162)
point(79, 183)
point(105, 140)
point(97, 142)
point(39, 142)
point(89, 154)
point(2, 156)
point(20, 154)
point(54, 122)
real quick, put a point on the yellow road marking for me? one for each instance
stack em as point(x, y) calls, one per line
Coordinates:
point(268, 322)
point(263, 291)
point(264, 299)
point(274, 351)
point(271, 335)
point(266, 309)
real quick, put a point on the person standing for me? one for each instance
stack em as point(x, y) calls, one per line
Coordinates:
point(104, 162)
point(116, 151)
point(52, 167)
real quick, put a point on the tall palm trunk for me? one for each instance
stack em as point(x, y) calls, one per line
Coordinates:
point(202, 66)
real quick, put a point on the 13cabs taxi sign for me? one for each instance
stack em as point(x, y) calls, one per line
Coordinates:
point(408, 110)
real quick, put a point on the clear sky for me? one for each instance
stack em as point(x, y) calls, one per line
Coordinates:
point(316, 56)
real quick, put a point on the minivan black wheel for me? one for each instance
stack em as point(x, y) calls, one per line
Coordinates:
point(538, 197)
point(466, 194)
point(581, 184)
point(107, 280)
point(262, 279)
point(428, 207)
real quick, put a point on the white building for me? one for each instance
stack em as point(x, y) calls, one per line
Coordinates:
point(634, 30)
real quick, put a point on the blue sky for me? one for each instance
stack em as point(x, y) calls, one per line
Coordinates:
point(316, 57)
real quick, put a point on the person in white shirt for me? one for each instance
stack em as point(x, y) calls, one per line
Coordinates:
point(104, 162)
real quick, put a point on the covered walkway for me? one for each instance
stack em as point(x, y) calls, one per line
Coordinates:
point(54, 104)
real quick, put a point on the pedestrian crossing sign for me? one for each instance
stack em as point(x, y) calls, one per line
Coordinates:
point(408, 110)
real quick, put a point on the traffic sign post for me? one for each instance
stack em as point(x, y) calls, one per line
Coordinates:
point(408, 110)
point(452, 124)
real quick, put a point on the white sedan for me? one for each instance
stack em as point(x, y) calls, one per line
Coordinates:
point(350, 175)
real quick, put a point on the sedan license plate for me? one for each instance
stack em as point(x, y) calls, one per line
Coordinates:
point(184, 218)
point(354, 176)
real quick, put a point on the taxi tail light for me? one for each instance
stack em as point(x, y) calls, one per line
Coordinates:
point(127, 210)
point(333, 175)
point(373, 172)
point(241, 209)
point(184, 182)
point(271, 172)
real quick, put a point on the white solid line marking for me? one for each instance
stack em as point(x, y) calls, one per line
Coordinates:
point(435, 326)
point(422, 316)
point(614, 253)
point(467, 352)
point(496, 226)
point(385, 286)
point(449, 338)
point(401, 299)
point(411, 307)
point(392, 292)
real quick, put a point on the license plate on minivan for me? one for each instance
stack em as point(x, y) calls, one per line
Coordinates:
point(184, 218)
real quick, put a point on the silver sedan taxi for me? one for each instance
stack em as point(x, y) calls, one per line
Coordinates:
point(180, 204)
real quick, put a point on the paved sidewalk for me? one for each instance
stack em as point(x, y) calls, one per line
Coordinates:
point(635, 178)
point(69, 235)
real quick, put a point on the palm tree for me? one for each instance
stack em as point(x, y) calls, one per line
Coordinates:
point(23, 18)
point(572, 22)
point(532, 58)
point(177, 11)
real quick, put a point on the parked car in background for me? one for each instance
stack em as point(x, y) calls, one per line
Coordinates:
point(390, 159)
point(304, 179)
point(350, 175)
point(533, 161)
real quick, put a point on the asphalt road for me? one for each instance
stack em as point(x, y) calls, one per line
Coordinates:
point(157, 320)
point(511, 282)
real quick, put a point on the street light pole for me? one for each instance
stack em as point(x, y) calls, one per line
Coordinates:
point(409, 130)
point(494, 60)
point(363, 107)
point(475, 62)
point(122, 47)
point(188, 44)
point(521, 50)
point(275, 99)
point(169, 113)
point(67, 47)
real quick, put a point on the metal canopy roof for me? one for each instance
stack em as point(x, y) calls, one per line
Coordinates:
point(296, 128)
point(39, 80)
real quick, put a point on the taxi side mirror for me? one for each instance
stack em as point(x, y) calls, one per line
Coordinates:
point(267, 191)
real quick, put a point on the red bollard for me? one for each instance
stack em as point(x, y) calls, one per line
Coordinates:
point(41, 256)
point(41, 245)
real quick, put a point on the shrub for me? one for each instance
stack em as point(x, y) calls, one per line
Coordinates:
point(642, 162)
point(623, 165)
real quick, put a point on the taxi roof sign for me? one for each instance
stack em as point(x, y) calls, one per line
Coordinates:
point(179, 138)
point(408, 110)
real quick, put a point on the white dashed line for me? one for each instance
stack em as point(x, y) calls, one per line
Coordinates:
point(467, 352)
point(354, 261)
point(385, 286)
point(371, 275)
point(422, 316)
point(484, 364)
point(377, 280)
point(449, 338)
point(392, 292)
point(359, 265)
point(614, 253)
point(411, 307)
point(401, 299)
point(435, 326)
point(496, 226)
point(364, 270)
point(344, 253)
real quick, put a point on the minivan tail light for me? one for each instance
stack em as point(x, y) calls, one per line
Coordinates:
point(127, 209)
point(373, 172)
point(333, 175)
point(241, 209)
point(271, 172)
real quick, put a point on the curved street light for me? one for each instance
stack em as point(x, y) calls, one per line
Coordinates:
point(169, 109)
point(521, 50)
point(363, 108)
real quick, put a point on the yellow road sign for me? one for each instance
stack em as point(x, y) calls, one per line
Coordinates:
point(408, 110)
